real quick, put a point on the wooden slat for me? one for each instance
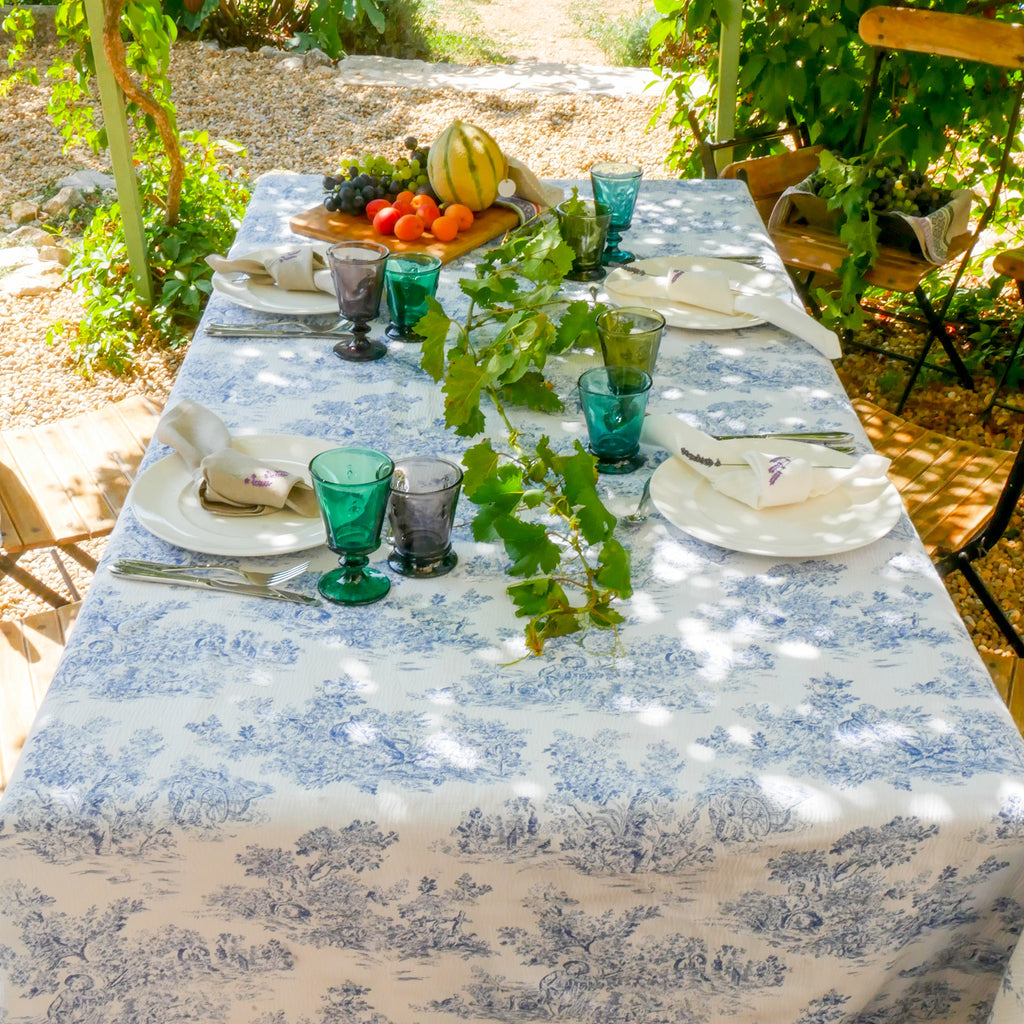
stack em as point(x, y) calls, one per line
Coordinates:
point(951, 35)
point(44, 489)
point(768, 177)
point(66, 481)
point(29, 653)
point(950, 487)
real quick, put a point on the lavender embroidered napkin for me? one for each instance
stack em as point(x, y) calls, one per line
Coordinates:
point(231, 477)
point(749, 471)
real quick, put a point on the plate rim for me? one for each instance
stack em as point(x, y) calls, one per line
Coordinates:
point(241, 295)
point(733, 322)
point(889, 497)
point(155, 523)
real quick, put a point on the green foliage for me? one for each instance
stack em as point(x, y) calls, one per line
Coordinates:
point(805, 62)
point(625, 41)
point(543, 506)
point(148, 50)
point(19, 26)
point(114, 322)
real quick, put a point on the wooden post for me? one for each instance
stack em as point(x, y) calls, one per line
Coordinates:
point(120, 146)
point(728, 77)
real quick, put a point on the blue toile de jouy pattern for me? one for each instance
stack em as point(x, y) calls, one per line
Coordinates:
point(793, 798)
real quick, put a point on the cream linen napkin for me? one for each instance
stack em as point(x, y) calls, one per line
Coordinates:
point(231, 477)
point(294, 267)
point(749, 471)
point(710, 289)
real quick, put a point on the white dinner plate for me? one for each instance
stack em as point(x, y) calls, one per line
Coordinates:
point(165, 502)
point(693, 318)
point(268, 298)
point(842, 520)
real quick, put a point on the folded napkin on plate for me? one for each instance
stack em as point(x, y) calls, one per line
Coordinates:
point(711, 289)
point(295, 267)
point(749, 471)
point(232, 478)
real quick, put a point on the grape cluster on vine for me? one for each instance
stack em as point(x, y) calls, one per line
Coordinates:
point(891, 187)
point(361, 180)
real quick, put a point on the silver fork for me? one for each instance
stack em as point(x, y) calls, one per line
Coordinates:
point(260, 579)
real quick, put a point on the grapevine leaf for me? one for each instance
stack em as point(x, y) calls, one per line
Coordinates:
point(603, 615)
point(480, 464)
point(528, 545)
point(577, 326)
point(580, 477)
point(505, 488)
point(492, 290)
point(613, 568)
point(533, 391)
point(433, 325)
point(462, 394)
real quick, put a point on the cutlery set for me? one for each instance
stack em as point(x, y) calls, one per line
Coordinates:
point(279, 329)
point(221, 577)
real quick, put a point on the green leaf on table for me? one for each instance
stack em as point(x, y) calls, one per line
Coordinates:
point(602, 615)
point(613, 568)
point(492, 290)
point(528, 545)
point(580, 478)
point(462, 387)
point(534, 391)
point(434, 326)
point(577, 326)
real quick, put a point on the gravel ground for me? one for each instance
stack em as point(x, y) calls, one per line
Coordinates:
point(308, 121)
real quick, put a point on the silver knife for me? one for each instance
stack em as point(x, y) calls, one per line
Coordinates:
point(207, 583)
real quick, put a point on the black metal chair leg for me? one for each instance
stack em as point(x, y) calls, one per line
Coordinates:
point(991, 605)
point(992, 402)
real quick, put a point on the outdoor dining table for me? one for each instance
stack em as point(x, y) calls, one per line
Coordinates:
point(792, 796)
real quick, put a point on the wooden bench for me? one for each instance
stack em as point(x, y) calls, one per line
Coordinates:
point(29, 652)
point(65, 482)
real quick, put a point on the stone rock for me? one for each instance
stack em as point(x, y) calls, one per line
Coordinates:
point(316, 58)
point(89, 181)
point(18, 256)
point(23, 211)
point(271, 51)
point(293, 64)
point(55, 254)
point(322, 71)
point(29, 235)
point(34, 279)
point(63, 202)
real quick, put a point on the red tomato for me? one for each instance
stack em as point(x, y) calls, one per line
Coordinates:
point(386, 220)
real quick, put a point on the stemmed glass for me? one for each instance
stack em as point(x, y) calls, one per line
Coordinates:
point(616, 186)
point(352, 487)
point(358, 272)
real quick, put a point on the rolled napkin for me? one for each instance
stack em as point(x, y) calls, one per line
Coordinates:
point(231, 477)
point(294, 266)
point(749, 471)
point(712, 290)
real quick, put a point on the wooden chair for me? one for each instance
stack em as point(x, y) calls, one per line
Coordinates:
point(1007, 671)
point(1009, 263)
point(813, 251)
point(960, 496)
point(29, 652)
point(65, 482)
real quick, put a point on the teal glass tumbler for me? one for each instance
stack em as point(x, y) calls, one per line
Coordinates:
point(585, 232)
point(409, 280)
point(352, 487)
point(630, 336)
point(614, 400)
point(616, 185)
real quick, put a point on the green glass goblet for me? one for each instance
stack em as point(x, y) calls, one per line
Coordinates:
point(616, 185)
point(584, 226)
point(630, 336)
point(352, 487)
point(614, 400)
point(410, 278)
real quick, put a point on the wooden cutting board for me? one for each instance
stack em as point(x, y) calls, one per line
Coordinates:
point(336, 227)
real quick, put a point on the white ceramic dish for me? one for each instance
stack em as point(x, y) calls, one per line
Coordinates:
point(692, 317)
point(843, 520)
point(268, 298)
point(165, 502)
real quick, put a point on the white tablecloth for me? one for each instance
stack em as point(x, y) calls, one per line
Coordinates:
point(795, 798)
